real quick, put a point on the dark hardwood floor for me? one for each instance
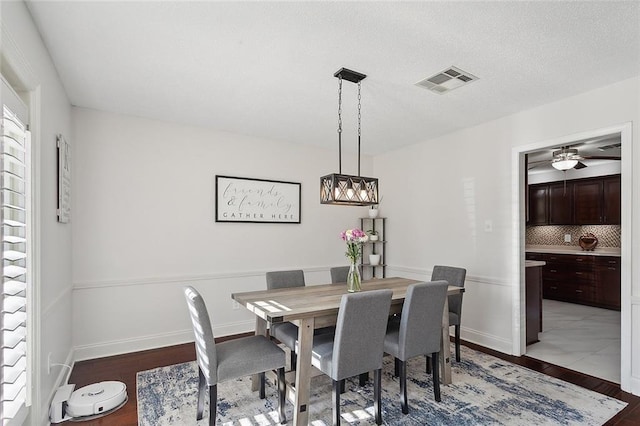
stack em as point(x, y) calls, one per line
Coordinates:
point(125, 367)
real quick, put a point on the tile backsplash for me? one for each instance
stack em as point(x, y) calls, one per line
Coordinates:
point(608, 235)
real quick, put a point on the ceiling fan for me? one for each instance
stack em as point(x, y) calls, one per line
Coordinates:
point(567, 158)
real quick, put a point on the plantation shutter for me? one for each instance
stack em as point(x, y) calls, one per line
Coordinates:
point(15, 234)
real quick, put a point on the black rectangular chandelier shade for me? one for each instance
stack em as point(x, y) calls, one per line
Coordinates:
point(347, 190)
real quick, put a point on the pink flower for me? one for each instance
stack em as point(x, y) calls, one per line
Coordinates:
point(354, 239)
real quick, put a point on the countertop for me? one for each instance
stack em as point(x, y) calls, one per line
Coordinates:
point(599, 251)
point(532, 263)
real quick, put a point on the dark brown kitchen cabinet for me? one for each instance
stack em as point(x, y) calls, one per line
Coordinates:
point(538, 200)
point(608, 277)
point(584, 279)
point(611, 194)
point(587, 202)
point(591, 201)
point(560, 203)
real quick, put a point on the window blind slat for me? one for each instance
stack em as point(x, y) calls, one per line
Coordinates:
point(11, 374)
point(11, 322)
point(11, 408)
point(11, 390)
point(13, 304)
point(13, 338)
point(12, 356)
point(13, 255)
point(12, 239)
point(13, 271)
point(12, 288)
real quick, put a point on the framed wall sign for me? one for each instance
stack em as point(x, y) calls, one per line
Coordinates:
point(240, 199)
point(64, 179)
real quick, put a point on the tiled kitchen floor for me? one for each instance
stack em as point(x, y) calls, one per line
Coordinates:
point(580, 338)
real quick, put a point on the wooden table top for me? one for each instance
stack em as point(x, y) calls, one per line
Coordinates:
point(289, 304)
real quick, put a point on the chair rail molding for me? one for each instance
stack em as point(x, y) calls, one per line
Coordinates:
point(422, 272)
point(88, 285)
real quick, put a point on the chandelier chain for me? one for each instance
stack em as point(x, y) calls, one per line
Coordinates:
point(340, 105)
point(359, 106)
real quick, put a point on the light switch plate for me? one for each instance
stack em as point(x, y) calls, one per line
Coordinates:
point(567, 238)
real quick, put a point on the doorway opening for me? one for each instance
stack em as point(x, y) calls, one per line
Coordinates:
point(581, 313)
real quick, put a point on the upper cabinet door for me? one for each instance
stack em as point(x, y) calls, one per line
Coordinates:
point(611, 197)
point(538, 205)
point(561, 203)
point(587, 197)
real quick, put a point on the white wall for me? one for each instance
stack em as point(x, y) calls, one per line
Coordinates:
point(144, 226)
point(440, 208)
point(25, 56)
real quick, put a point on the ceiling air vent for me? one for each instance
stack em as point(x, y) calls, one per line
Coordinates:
point(447, 80)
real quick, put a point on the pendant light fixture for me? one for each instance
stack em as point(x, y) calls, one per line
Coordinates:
point(348, 190)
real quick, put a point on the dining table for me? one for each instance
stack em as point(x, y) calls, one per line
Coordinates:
point(316, 306)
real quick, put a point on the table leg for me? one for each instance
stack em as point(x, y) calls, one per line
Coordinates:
point(303, 372)
point(261, 330)
point(445, 348)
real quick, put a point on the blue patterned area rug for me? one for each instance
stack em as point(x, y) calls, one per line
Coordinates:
point(485, 391)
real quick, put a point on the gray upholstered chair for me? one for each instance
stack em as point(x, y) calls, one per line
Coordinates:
point(418, 332)
point(339, 274)
point(454, 276)
point(230, 360)
point(357, 346)
point(286, 332)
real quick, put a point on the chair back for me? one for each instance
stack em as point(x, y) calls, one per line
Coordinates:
point(339, 274)
point(454, 276)
point(360, 330)
point(421, 321)
point(205, 343)
point(285, 279)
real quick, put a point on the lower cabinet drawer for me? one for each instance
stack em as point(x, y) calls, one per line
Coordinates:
point(568, 292)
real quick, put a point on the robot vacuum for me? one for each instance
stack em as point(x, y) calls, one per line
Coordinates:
point(88, 402)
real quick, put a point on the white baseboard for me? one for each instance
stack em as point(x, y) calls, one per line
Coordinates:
point(155, 341)
point(487, 340)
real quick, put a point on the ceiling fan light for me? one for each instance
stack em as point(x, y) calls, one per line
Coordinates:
point(564, 163)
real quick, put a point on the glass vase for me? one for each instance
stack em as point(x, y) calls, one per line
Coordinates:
point(353, 278)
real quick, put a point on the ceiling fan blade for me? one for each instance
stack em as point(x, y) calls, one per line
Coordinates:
point(600, 157)
point(580, 165)
point(537, 163)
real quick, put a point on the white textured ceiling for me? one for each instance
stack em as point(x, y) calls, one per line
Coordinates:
point(266, 69)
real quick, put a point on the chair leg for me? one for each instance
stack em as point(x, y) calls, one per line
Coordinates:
point(363, 379)
point(282, 391)
point(377, 395)
point(202, 388)
point(262, 380)
point(335, 396)
point(396, 367)
point(213, 404)
point(436, 375)
point(403, 387)
point(457, 340)
point(428, 364)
